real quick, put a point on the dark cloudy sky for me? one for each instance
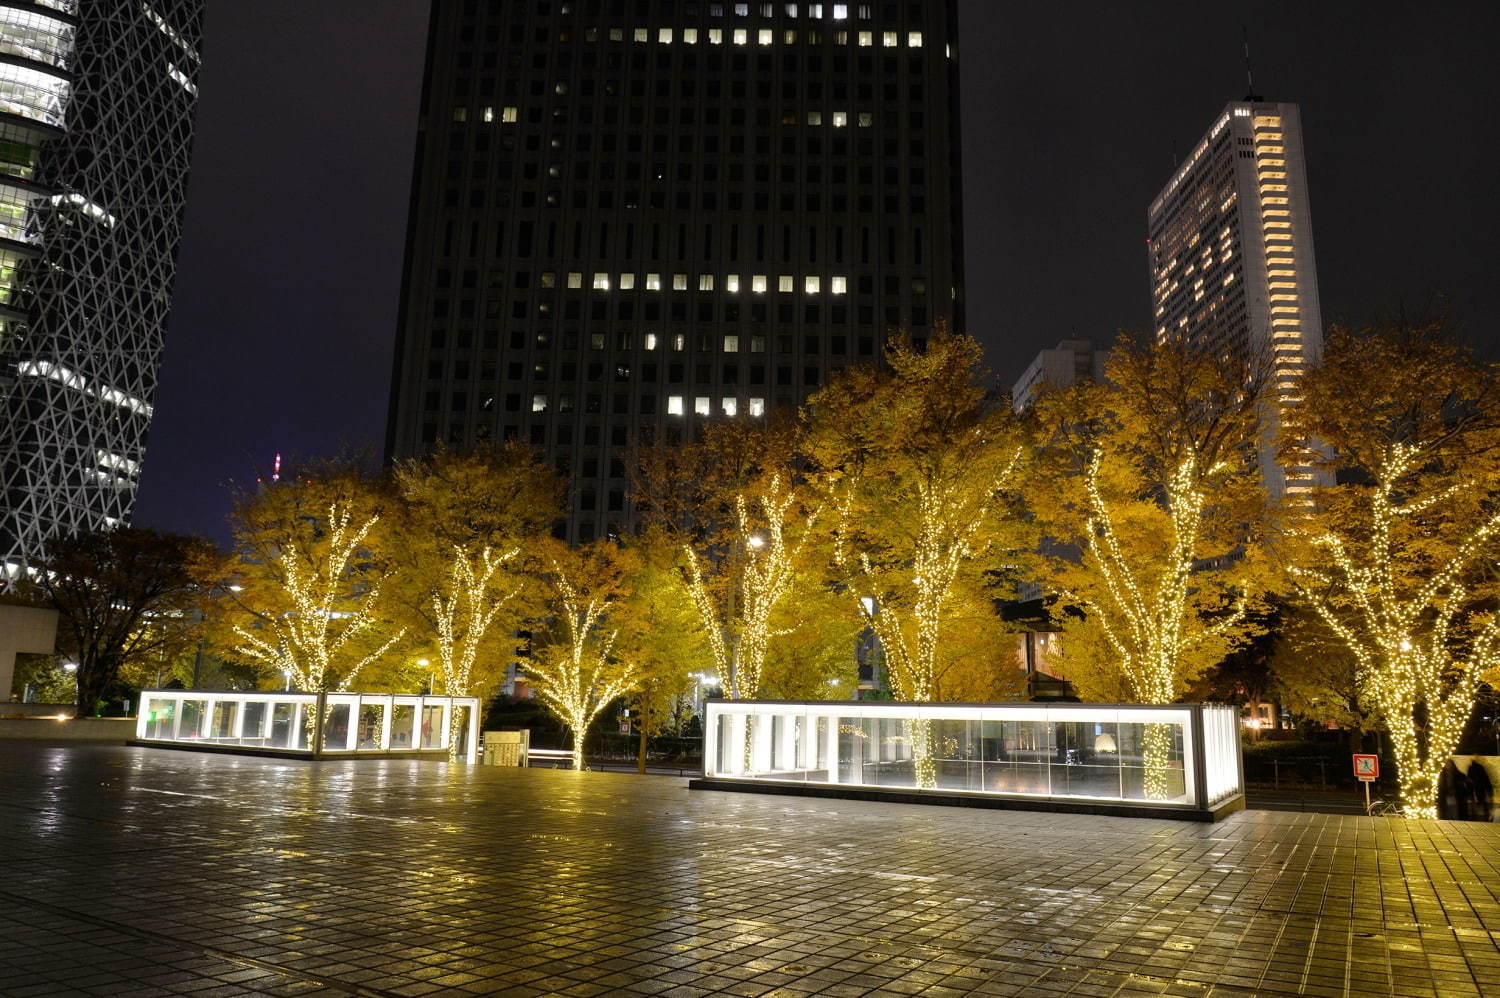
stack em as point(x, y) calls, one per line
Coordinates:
point(285, 308)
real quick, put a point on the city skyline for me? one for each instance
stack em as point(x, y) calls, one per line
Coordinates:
point(1068, 129)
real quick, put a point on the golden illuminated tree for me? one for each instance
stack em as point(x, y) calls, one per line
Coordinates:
point(576, 671)
point(1154, 510)
point(466, 518)
point(764, 550)
point(921, 470)
point(1399, 555)
point(312, 640)
point(311, 557)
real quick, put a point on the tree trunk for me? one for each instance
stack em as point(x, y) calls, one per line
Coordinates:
point(577, 752)
point(640, 751)
point(94, 679)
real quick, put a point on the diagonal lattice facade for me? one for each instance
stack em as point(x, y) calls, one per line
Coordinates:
point(97, 99)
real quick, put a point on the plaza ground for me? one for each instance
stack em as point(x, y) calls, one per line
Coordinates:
point(131, 871)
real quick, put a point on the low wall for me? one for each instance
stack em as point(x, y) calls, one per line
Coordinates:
point(13, 708)
point(51, 729)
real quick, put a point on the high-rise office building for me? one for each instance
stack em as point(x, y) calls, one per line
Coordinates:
point(97, 100)
point(632, 216)
point(1063, 366)
point(1231, 254)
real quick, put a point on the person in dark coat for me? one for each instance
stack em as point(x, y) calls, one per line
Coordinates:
point(1483, 790)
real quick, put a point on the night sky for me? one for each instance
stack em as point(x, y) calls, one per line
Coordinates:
point(285, 307)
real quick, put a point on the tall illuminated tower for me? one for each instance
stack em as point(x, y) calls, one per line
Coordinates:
point(1231, 253)
point(97, 99)
point(630, 217)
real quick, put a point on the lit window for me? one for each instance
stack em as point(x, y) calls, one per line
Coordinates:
point(888, 39)
point(549, 279)
point(815, 117)
point(785, 284)
point(617, 34)
point(740, 36)
point(812, 285)
point(489, 114)
point(765, 36)
point(841, 38)
point(650, 341)
point(664, 36)
point(690, 36)
point(538, 403)
point(601, 282)
point(679, 282)
point(705, 282)
point(703, 405)
point(839, 285)
point(641, 35)
point(679, 342)
point(575, 279)
point(716, 36)
point(758, 284)
point(791, 10)
point(790, 38)
point(866, 39)
point(653, 282)
point(510, 115)
point(460, 114)
point(840, 119)
point(732, 284)
point(914, 40)
point(674, 405)
point(731, 343)
point(731, 406)
point(840, 12)
point(757, 407)
point(757, 344)
point(742, 10)
point(627, 282)
point(814, 10)
point(866, 119)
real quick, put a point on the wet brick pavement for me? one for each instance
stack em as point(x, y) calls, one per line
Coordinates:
point(147, 871)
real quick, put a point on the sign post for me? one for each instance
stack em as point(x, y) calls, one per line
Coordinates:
point(1367, 771)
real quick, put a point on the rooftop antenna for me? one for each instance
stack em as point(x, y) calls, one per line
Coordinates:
point(1251, 95)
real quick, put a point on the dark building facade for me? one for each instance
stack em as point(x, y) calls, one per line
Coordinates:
point(632, 216)
point(97, 101)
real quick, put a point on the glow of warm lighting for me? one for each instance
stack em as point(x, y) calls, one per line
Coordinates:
point(70, 666)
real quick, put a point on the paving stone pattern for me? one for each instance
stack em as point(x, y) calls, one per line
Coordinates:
point(153, 872)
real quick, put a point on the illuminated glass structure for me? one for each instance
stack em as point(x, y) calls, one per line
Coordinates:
point(97, 100)
point(1029, 756)
point(1231, 253)
point(630, 217)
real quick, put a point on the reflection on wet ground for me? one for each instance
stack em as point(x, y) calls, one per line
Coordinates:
point(146, 871)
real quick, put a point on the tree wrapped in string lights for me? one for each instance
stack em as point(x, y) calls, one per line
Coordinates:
point(1399, 555)
point(575, 671)
point(308, 627)
point(1154, 512)
point(922, 472)
point(737, 619)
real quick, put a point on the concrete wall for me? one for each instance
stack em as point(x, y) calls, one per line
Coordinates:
point(23, 629)
point(15, 708)
point(49, 729)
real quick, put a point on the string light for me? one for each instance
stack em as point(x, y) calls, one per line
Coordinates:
point(580, 682)
point(949, 521)
point(464, 611)
point(327, 612)
point(764, 579)
point(1406, 642)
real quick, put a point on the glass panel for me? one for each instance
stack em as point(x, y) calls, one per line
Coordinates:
point(160, 714)
point(1086, 763)
point(432, 726)
point(336, 728)
point(403, 719)
point(463, 730)
point(224, 717)
point(192, 719)
point(252, 730)
point(282, 716)
point(1151, 762)
point(371, 719)
point(1016, 757)
point(956, 754)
